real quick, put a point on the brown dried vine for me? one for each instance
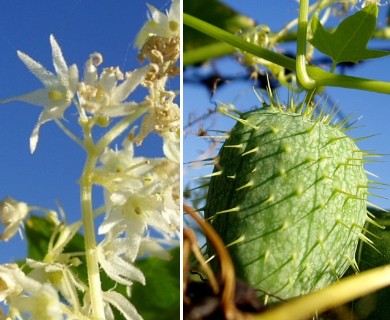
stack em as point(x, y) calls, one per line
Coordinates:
point(228, 280)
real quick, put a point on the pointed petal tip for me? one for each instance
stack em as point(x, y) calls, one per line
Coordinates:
point(22, 55)
point(34, 141)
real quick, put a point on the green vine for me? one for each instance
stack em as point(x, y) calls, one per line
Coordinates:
point(303, 76)
point(321, 77)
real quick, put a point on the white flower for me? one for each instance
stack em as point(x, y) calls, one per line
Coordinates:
point(12, 214)
point(26, 297)
point(40, 303)
point(160, 24)
point(58, 90)
point(102, 94)
point(9, 285)
point(113, 258)
point(60, 276)
point(55, 267)
point(168, 173)
point(120, 169)
point(140, 193)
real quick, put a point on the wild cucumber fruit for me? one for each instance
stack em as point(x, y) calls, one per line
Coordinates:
point(293, 189)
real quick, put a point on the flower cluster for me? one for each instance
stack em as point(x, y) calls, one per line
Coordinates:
point(159, 42)
point(141, 194)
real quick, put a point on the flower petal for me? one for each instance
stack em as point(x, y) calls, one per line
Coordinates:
point(120, 110)
point(133, 80)
point(174, 11)
point(46, 77)
point(59, 62)
point(122, 304)
point(44, 117)
point(118, 269)
point(171, 146)
point(73, 77)
point(38, 97)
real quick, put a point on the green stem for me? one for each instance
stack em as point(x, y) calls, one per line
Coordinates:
point(333, 68)
point(302, 75)
point(86, 182)
point(208, 52)
point(218, 50)
point(335, 295)
point(323, 78)
point(95, 290)
point(237, 42)
point(116, 130)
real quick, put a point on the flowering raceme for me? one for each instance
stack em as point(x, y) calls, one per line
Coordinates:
point(79, 275)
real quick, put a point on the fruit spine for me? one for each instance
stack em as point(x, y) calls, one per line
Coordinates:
point(289, 189)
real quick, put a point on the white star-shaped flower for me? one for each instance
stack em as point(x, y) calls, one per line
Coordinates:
point(58, 90)
point(102, 94)
point(160, 24)
point(113, 259)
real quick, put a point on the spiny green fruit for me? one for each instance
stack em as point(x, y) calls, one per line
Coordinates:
point(293, 189)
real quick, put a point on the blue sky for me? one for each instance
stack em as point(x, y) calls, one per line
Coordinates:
point(81, 27)
point(374, 108)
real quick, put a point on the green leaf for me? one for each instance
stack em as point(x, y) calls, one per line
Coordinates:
point(38, 233)
point(375, 305)
point(160, 297)
point(348, 43)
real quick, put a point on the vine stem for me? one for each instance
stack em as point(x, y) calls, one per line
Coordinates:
point(228, 277)
point(302, 75)
point(322, 77)
point(335, 295)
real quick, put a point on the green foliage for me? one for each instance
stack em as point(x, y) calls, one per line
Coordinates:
point(375, 306)
point(348, 43)
point(160, 297)
point(216, 13)
point(38, 232)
